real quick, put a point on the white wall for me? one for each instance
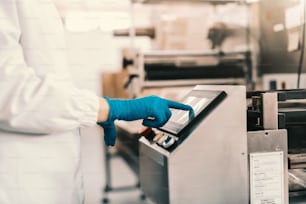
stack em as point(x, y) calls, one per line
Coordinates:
point(93, 52)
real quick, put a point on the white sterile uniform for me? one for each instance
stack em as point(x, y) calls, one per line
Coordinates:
point(40, 109)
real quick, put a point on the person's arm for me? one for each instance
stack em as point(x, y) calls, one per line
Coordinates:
point(154, 111)
point(103, 110)
point(33, 104)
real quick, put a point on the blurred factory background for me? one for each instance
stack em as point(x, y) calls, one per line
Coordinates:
point(131, 48)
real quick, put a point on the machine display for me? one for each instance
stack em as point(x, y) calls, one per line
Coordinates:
point(200, 101)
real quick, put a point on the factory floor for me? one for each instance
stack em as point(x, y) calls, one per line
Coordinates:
point(92, 154)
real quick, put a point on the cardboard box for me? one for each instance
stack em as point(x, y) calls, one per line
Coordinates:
point(113, 84)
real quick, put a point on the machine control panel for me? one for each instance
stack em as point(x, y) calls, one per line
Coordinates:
point(162, 139)
point(180, 124)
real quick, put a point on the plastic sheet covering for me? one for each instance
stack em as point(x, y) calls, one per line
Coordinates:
point(297, 180)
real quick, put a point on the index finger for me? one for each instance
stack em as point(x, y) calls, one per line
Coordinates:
point(177, 105)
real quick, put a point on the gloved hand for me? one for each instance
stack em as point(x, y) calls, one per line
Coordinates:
point(153, 109)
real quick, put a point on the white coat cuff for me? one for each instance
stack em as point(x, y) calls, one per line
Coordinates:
point(89, 109)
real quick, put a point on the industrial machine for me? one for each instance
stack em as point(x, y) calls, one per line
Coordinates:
point(203, 159)
point(270, 112)
point(183, 68)
point(227, 154)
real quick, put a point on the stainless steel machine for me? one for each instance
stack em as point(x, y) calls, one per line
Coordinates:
point(270, 112)
point(202, 160)
point(240, 148)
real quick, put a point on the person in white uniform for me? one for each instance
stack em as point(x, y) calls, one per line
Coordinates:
point(41, 110)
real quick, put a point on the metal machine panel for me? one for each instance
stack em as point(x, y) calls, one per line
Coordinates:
point(154, 169)
point(210, 165)
point(270, 117)
point(269, 141)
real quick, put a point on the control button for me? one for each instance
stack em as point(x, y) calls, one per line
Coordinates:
point(148, 133)
point(162, 139)
point(168, 142)
point(157, 137)
point(145, 131)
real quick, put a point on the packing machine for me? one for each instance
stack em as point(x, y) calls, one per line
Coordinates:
point(236, 150)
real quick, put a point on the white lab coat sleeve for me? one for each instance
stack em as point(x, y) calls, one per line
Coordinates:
point(30, 103)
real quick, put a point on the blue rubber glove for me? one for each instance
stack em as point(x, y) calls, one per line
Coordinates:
point(153, 110)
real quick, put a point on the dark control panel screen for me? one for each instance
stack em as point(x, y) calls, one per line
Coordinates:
point(200, 101)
